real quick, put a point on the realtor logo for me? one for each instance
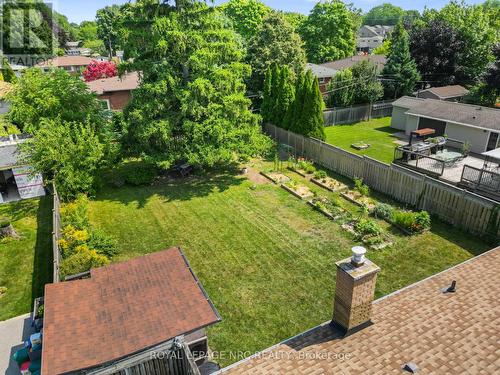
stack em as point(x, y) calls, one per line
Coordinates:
point(28, 31)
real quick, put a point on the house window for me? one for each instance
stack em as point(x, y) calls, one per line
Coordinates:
point(322, 80)
point(106, 105)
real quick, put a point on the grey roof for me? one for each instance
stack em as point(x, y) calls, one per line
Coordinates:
point(320, 71)
point(407, 102)
point(465, 114)
point(8, 156)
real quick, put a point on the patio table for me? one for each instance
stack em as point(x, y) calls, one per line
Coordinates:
point(449, 157)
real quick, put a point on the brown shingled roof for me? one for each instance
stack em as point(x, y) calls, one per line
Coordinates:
point(445, 92)
point(127, 82)
point(453, 333)
point(122, 309)
point(63, 61)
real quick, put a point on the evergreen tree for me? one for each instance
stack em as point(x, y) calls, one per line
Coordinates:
point(296, 110)
point(401, 67)
point(312, 110)
point(273, 98)
point(266, 100)
point(286, 95)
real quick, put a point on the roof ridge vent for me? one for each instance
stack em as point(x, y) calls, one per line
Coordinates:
point(450, 289)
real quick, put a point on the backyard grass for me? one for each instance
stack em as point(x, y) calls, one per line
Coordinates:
point(265, 257)
point(25, 263)
point(376, 132)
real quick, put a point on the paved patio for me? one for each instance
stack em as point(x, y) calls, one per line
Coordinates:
point(12, 334)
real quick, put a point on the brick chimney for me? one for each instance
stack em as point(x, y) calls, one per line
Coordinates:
point(354, 291)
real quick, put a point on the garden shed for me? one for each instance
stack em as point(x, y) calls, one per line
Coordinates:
point(17, 180)
point(128, 314)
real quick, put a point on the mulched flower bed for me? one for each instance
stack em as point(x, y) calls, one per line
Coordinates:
point(300, 191)
point(356, 198)
point(330, 184)
point(276, 177)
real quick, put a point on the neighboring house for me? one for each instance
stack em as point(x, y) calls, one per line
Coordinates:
point(370, 37)
point(427, 327)
point(453, 93)
point(349, 62)
point(480, 126)
point(126, 315)
point(16, 179)
point(72, 64)
point(5, 88)
point(323, 74)
point(115, 92)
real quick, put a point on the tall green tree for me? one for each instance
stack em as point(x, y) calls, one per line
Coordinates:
point(69, 154)
point(285, 96)
point(384, 14)
point(266, 107)
point(191, 105)
point(312, 119)
point(341, 89)
point(400, 70)
point(246, 15)
point(292, 118)
point(367, 87)
point(56, 94)
point(275, 42)
point(328, 32)
point(109, 23)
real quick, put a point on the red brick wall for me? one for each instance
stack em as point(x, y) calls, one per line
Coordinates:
point(118, 99)
point(323, 86)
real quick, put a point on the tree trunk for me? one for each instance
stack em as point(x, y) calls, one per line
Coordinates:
point(8, 231)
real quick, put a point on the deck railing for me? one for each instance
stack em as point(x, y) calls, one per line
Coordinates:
point(480, 179)
point(421, 162)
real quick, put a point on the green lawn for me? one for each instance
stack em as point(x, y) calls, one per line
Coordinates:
point(265, 258)
point(25, 263)
point(377, 133)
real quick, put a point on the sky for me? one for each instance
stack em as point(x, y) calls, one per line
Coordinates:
point(80, 10)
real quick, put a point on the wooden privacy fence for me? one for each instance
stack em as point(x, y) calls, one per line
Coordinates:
point(463, 209)
point(364, 112)
point(56, 233)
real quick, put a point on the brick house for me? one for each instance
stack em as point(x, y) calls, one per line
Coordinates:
point(146, 313)
point(323, 74)
point(115, 92)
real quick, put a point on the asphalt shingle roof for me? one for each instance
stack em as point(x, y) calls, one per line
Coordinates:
point(128, 82)
point(452, 333)
point(320, 71)
point(445, 92)
point(350, 61)
point(465, 114)
point(8, 156)
point(122, 309)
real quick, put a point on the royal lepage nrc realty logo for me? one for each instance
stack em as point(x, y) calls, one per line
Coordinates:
point(28, 32)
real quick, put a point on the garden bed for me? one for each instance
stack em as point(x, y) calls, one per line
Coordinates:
point(276, 177)
point(301, 172)
point(408, 222)
point(327, 208)
point(300, 191)
point(375, 238)
point(330, 184)
point(358, 199)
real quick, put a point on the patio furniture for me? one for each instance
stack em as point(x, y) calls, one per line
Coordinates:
point(449, 157)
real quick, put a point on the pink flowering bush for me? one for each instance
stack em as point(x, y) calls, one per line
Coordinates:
point(99, 69)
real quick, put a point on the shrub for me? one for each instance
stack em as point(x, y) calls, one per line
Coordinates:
point(76, 213)
point(4, 223)
point(362, 189)
point(306, 166)
point(138, 173)
point(319, 175)
point(367, 227)
point(71, 239)
point(82, 261)
point(383, 211)
point(102, 243)
point(415, 222)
